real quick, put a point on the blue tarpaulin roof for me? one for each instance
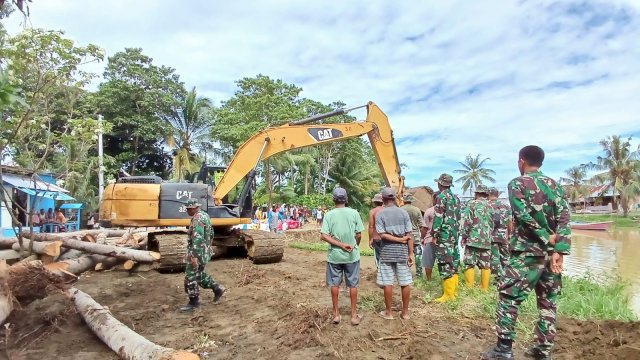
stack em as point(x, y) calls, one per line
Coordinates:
point(71, 206)
point(55, 195)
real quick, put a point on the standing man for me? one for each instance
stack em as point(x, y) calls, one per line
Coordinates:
point(541, 238)
point(477, 233)
point(342, 229)
point(396, 253)
point(446, 226)
point(374, 237)
point(272, 219)
point(198, 255)
point(501, 230)
point(417, 226)
point(428, 245)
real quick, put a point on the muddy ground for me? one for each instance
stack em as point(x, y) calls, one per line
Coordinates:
point(278, 311)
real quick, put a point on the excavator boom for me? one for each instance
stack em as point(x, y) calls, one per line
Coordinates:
point(297, 135)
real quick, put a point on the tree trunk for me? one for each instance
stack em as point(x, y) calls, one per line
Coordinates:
point(306, 180)
point(70, 254)
point(75, 234)
point(79, 265)
point(7, 243)
point(6, 300)
point(108, 263)
point(113, 251)
point(125, 342)
point(269, 182)
point(43, 248)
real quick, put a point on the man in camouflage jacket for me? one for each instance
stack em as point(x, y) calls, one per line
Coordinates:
point(501, 230)
point(541, 238)
point(446, 225)
point(477, 233)
point(198, 255)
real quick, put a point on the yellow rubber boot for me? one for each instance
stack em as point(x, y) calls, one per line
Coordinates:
point(455, 285)
point(448, 290)
point(469, 277)
point(485, 276)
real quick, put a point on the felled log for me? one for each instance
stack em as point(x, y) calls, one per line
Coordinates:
point(6, 300)
point(107, 263)
point(70, 254)
point(74, 234)
point(9, 254)
point(33, 257)
point(125, 342)
point(79, 265)
point(113, 251)
point(7, 243)
point(43, 248)
point(30, 281)
point(129, 264)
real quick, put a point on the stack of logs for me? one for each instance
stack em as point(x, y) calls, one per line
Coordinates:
point(65, 255)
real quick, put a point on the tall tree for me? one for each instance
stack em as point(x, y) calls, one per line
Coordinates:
point(618, 164)
point(139, 98)
point(190, 130)
point(474, 173)
point(576, 178)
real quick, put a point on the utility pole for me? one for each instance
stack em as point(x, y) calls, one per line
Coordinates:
point(100, 159)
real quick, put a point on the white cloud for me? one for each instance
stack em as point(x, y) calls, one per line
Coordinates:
point(462, 78)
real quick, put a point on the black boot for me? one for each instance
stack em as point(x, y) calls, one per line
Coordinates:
point(502, 351)
point(536, 353)
point(218, 291)
point(192, 305)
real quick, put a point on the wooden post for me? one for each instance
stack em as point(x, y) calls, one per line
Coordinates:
point(125, 342)
point(42, 248)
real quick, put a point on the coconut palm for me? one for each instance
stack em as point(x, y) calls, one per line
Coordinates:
point(359, 180)
point(618, 165)
point(474, 173)
point(576, 179)
point(191, 125)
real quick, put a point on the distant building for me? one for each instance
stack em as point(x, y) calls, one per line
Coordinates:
point(24, 188)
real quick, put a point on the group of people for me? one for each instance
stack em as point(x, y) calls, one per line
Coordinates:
point(279, 217)
point(522, 245)
point(41, 218)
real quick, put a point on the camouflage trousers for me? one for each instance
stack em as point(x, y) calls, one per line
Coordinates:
point(474, 256)
point(499, 258)
point(417, 253)
point(445, 255)
point(456, 257)
point(195, 278)
point(522, 275)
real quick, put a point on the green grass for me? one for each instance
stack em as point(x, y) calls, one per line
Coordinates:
point(322, 246)
point(619, 221)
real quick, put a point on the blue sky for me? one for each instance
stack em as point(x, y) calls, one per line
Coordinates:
point(462, 78)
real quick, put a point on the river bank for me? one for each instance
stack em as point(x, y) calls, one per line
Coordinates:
point(632, 221)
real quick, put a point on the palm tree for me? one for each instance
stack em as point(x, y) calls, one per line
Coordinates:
point(577, 181)
point(474, 173)
point(618, 164)
point(360, 181)
point(191, 126)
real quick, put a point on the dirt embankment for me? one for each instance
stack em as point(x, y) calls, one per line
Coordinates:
point(278, 311)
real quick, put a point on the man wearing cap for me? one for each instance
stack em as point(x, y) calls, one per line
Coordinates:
point(198, 255)
point(417, 225)
point(501, 230)
point(396, 253)
point(342, 229)
point(541, 239)
point(446, 224)
point(477, 233)
point(374, 237)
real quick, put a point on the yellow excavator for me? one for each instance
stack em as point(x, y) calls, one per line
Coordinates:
point(147, 201)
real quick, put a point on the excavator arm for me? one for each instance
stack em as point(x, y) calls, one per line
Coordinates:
point(298, 134)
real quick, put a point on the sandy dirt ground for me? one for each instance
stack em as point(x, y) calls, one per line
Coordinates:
point(278, 311)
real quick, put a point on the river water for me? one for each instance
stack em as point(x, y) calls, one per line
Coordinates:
point(602, 253)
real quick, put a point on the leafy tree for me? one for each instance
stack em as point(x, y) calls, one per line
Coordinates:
point(619, 164)
point(474, 173)
point(139, 98)
point(576, 179)
point(191, 126)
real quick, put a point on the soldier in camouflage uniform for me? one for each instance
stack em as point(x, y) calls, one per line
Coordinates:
point(541, 238)
point(198, 255)
point(501, 230)
point(446, 224)
point(417, 225)
point(477, 233)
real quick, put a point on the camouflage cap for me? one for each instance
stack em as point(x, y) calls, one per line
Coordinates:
point(482, 189)
point(445, 180)
point(377, 198)
point(494, 191)
point(408, 198)
point(192, 204)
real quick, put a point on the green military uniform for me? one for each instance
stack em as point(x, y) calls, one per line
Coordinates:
point(199, 247)
point(446, 225)
point(477, 233)
point(540, 209)
point(500, 243)
point(417, 222)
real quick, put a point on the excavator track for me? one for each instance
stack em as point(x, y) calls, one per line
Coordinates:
point(263, 247)
point(172, 247)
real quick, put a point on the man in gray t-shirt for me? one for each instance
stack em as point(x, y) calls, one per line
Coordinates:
point(396, 253)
